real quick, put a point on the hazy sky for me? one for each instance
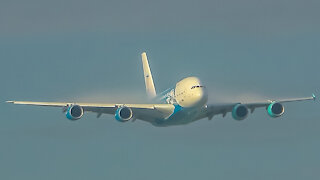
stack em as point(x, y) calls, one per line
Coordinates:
point(90, 50)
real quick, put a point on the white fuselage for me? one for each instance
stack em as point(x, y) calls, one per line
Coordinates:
point(189, 97)
point(190, 92)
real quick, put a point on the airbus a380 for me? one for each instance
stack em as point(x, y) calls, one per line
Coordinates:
point(186, 102)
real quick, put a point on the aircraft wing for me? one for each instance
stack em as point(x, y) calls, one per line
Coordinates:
point(214, 109)
point(140, 111)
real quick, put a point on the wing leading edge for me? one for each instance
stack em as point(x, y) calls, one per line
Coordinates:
point(214, 109)
point(141, 111)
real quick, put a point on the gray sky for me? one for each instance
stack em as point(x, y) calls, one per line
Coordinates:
point(90, 50)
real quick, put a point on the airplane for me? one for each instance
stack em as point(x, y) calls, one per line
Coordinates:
point(185, 103)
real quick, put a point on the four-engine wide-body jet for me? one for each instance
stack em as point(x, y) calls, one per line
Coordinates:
point(186, 102)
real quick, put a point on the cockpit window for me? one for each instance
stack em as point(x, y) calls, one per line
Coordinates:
point(196, 87)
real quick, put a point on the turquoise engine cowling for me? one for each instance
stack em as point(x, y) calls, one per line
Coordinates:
point(123, 114)
point(275, 109)
point(240, 112)
point(74, 112)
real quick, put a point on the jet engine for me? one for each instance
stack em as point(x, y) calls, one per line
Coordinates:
point(74, 112)
point(240, 112)
point(275, 109)
point(123, 114)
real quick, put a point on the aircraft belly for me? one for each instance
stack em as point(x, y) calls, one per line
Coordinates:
point(182, 117)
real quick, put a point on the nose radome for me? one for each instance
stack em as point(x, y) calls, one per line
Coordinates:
point(201, 96)
point(199, 93)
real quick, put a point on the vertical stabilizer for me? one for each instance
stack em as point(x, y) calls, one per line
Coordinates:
point(151, 91)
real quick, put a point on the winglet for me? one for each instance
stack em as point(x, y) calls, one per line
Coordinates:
point(314, 97)
point(151, 91)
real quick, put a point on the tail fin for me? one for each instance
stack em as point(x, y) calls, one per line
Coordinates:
point(151, 91)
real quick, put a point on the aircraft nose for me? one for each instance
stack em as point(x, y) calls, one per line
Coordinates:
point(201, 96)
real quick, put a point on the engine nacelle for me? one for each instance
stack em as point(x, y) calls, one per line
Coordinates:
point(275, 109)
point(123, 114)
point(240, 112)
point(74, 112)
